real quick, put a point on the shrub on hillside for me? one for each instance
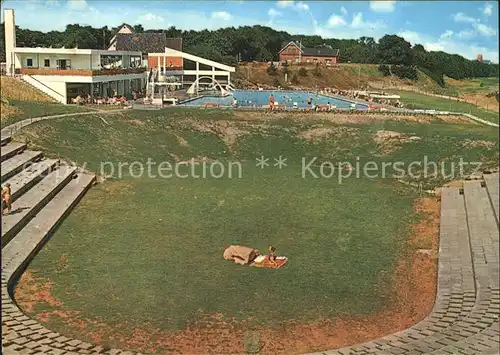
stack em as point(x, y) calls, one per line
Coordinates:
point(405, 72)
point(316, 71)
point(285, 67)
point(276, 82)
point(303, 72)
point(384, 69)
point(295, 79)
point(229, 60)
point(437, 77)
point(271, 69)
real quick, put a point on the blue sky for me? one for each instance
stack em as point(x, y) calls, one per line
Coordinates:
point(464, 27)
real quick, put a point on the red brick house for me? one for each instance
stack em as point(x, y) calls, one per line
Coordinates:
point(294, 52)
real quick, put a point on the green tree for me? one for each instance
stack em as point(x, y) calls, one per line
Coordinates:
point(393, 49)
point(261, 43)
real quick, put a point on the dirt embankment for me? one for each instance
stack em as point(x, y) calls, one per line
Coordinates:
point(342, 76)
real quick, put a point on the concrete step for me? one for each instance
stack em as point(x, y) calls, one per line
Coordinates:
point(29, 204)
point(30, 176)
point(5, 139)
point(492, 186)
point(11, 149)
point(483, 234)
point(12, 166)
point(29, 240)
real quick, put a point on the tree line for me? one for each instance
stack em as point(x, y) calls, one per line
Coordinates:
point(260, 43)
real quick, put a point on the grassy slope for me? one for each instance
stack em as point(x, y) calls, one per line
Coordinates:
point(475, 85)
point(479, 91)
point(21, 101)
point(157, 244)
point(421, 101)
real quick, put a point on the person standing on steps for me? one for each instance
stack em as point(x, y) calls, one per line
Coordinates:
point(6, 198)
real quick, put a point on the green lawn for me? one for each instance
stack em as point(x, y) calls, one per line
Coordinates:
point(154, 245)
point(415, 100)
point(485, 85)
point(157, 244)
point(30, 109)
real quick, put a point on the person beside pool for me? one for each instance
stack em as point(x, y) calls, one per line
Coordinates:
point(235, 103)
point(309, 102)
point(271, 101)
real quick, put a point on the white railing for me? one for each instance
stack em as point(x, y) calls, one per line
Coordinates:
point(44, 88)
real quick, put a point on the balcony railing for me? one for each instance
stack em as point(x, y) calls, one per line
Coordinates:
point(174, 69)
point(80, 72)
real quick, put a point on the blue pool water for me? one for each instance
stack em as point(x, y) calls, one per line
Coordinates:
point(250, 98)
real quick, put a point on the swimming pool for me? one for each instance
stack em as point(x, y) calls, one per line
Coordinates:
point(250, 98)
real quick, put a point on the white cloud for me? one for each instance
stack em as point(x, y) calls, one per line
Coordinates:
point(343, 10)
point(285, 3)
point(484, 30)
point(446, 34)
point(302, 6)
point(77, 5)
point(149, 17)
point(461, 17)
point(487, 9)
point(52, 3)
point(336, 21)
point(358, 22)
point(298, 6)
point(411, 36)
point(222, 15)
point(383, 6)
point(448, 45)
point(273, 13)
point(466, 34)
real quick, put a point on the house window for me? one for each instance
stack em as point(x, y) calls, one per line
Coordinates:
point(46, 62)
point(29, 62)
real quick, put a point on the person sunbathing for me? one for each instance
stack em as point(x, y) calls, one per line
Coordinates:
point(271, 256)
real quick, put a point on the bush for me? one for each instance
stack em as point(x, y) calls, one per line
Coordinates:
point(277, 82)
point(384, 69)
point(405, 72)
point(229, 60)
point(271, 69)
point(436, 76)
point(316, 71)
point(285, 67)
point(295, 79)
point(303, 72)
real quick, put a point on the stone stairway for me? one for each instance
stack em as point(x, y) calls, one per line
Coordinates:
point(464, 320)
point(465, 317)
point(35, 181)
point(44, 191)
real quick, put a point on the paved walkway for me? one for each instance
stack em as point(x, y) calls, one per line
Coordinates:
point(465, 318)
point(9, 131)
